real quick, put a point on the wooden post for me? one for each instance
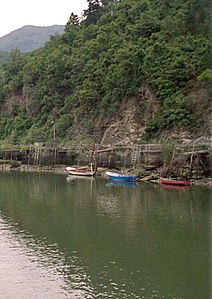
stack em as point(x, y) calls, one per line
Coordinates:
point(95, 158)
point(29, 155)
point(197, 173)
point(126, 155)
point(170, 167)
point(191, 162)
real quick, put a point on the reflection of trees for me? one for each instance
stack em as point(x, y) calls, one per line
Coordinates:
point(49, 199)
point(136, 228)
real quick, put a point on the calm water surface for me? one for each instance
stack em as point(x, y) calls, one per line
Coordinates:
point(91, 239)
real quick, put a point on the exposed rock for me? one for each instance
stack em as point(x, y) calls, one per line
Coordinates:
point(14, 100)
point(129, 124)
point(152, 177)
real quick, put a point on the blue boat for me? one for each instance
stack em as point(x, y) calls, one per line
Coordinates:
point(120, 177)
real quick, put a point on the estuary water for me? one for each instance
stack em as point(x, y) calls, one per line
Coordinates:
point(89, 239)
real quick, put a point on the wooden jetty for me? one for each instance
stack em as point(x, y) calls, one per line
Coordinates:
point(118, 155)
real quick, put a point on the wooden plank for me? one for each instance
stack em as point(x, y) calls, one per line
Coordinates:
point(196, 153)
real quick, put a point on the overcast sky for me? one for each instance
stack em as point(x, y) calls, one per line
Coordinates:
point(15, 14)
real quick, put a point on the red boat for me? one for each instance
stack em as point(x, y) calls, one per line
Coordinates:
point(174, 182)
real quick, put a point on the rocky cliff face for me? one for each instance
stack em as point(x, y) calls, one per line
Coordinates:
point(128, 126)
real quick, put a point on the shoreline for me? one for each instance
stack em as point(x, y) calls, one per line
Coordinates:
point(61, 170)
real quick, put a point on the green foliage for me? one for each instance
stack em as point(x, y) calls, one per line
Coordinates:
point(35, 134)
point(167, 150)
point(96, 63)
point(14, 129)
point(205, 76)
point(4, 57)
point(63, 125)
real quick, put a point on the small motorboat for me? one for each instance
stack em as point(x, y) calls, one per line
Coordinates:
point(174, 182)
point(120, 177)
point(80, 171)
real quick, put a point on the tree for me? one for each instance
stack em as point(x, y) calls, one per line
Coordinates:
point(73, 20)
point(93, 13)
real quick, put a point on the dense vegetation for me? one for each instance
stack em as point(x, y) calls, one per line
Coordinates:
point(4, 56)
point(80, 78)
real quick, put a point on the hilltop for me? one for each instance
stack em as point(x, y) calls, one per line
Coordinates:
point(29, 38)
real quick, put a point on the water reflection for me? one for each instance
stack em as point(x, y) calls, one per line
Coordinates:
point(121, 183)
point(91, 239)
point(174, 187)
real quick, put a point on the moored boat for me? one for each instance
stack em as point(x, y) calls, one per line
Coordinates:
point(80, 171)
point(120, 177)
point(174, 182)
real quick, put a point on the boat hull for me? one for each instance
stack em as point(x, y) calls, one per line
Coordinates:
point(174, 183)
point(120, 177)
point(79, 172)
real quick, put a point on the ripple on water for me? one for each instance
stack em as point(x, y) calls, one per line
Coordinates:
point(29, 273)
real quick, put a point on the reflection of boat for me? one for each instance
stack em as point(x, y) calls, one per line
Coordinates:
point(176, 187)
point(80, 171)
point(120, 177)
point(72, 178)
point(122, 183)
point(174, 182)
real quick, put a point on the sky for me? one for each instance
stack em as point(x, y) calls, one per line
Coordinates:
point(15, 14)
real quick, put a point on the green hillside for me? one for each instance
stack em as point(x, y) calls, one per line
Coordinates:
point(4, 56)
point(80, 79)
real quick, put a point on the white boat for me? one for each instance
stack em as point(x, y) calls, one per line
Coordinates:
point(80, 171)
